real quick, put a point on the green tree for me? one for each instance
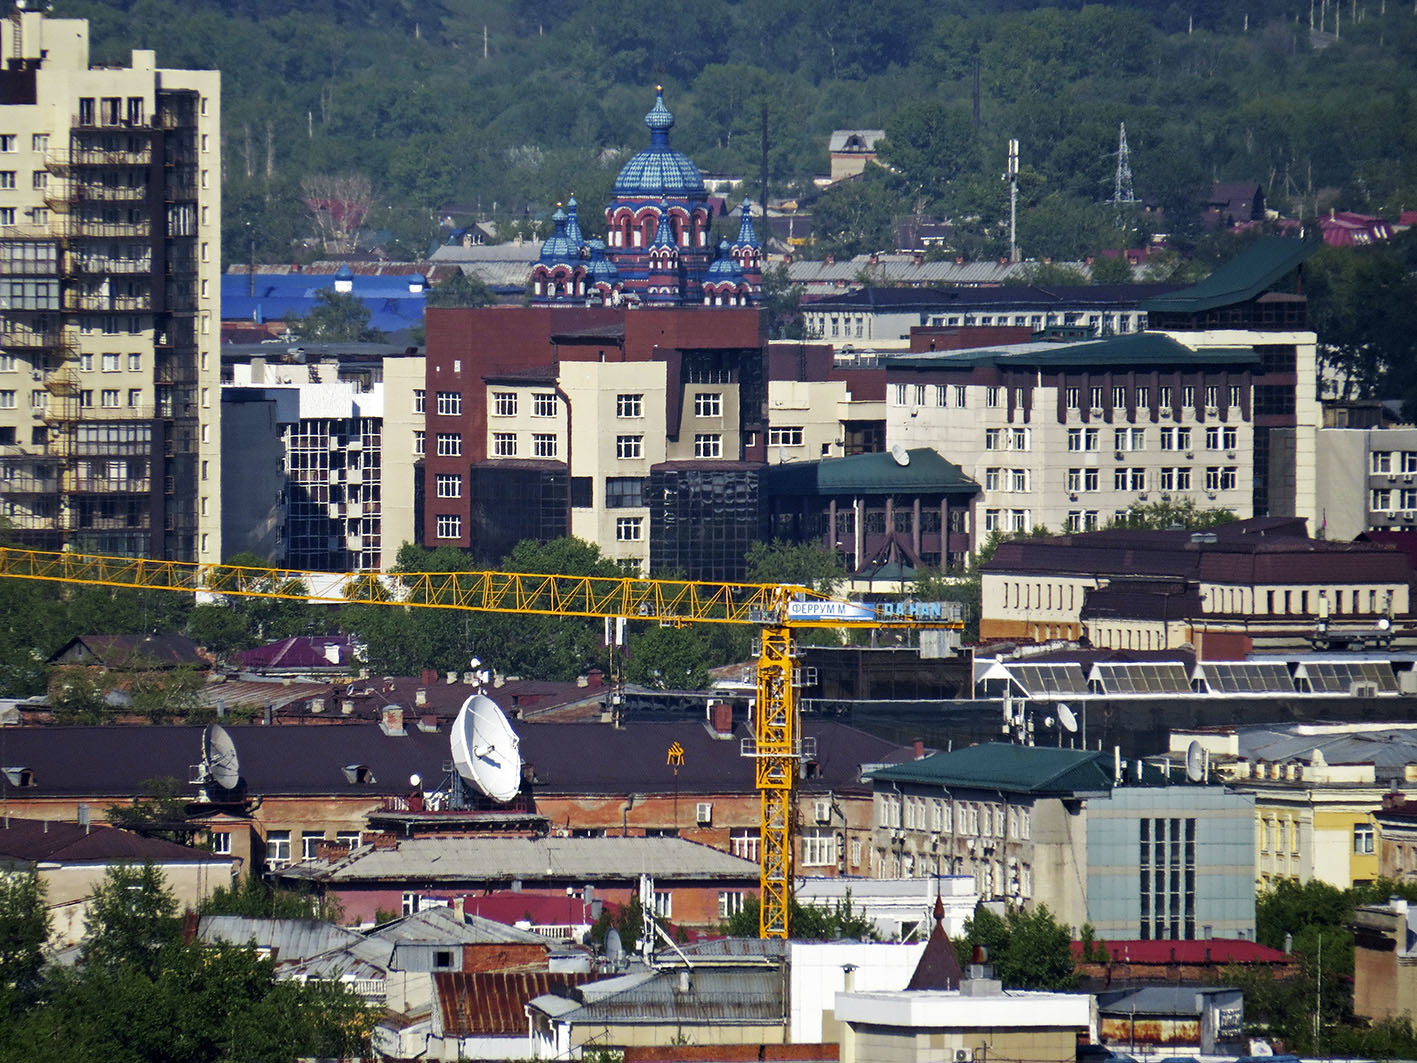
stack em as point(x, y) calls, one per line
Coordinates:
point(782, 304)
point(337, 317)
point(1113, 269)
point(1160, 516)
point(159, 811)
point(81, 696)
point(668, 658)
point(132, 919)
point(254, 897)
point(462, 290)
point(928, 144)
point(854, 217)
point(806, 922)
point(270, 607)
point(1029, 948)
point(804, 564)
point(24, 928)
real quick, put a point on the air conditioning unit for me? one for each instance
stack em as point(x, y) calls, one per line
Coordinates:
point(1212, 411)
point(822, 810)
point(1191, 454)
point(704, 813)
point(1120, 455)
point(1230, 454)
point(963, 1055)
point(1072, 496)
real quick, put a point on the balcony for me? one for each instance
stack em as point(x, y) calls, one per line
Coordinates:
point(104, 304)
point(60, 160)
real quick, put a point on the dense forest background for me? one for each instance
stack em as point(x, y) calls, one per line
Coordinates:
point(509, 107)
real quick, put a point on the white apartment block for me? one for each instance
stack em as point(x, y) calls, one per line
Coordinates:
point(1069, 436)
point(110, 254)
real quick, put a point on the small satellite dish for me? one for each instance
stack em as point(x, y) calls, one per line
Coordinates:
point(614, 948)
point(415, 780)
point(1066, 720)
point(486, 750)
point(219, 757)
point(1195, 762)
point(900, 454)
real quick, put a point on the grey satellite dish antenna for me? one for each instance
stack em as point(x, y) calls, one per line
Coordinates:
point(1195, 762)
point(1066, 720)
point(614, 949)
point(900, 454)
point(219, 757)
point(486, 750)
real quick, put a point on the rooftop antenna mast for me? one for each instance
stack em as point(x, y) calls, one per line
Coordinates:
point(1122, 194)
point(1012, 176)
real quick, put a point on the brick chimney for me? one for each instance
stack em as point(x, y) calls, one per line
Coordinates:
point(920, 749)
point(391, 720)
point(721, 717)
point(428, 676)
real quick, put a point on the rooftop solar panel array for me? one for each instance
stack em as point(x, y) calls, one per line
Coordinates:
point(1339, 677)
point(1249, 678)
point(1041, 680)
point(1142, 678)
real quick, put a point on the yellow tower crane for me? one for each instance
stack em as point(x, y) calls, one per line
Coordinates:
point(776, 609)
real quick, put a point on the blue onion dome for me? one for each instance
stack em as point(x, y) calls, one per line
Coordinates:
point(558, 247)
point(659, 169)
point(663, 234)
point(747, 234)
point(725, 266)
point(344, 273)
point(601, 268)
point(573, 225)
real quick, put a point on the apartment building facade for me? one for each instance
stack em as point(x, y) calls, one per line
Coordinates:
point(110, 229)
point(1220, 409)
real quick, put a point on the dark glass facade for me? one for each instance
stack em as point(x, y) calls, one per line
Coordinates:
point(516, 501)
point(702, 519)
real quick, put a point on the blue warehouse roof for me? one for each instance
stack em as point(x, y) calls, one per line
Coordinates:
point(276, 296)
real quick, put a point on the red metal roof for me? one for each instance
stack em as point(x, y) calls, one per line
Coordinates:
point(1215, 951)
point(491, 1004)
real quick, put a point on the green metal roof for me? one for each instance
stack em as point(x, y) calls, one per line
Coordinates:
point(872, 474)
point(1016, 769)
point(1247, 275)
point(1138, 349)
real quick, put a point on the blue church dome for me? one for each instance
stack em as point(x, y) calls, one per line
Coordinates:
point(558, 246)
point(724, 267)
point(659, 169)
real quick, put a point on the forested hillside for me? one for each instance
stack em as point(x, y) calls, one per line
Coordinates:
point(512, 106)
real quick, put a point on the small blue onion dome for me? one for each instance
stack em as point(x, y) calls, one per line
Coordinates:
point(558, 247)
point(747, 234)
point(344, 273)
point(659, 169)
point(725, 266)
point(573, 225)
point(601, 269)
point(663, 233)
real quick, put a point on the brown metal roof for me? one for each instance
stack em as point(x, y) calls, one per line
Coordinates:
point(490, 1004)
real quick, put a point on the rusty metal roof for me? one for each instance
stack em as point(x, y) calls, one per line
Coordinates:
point(493, 1003)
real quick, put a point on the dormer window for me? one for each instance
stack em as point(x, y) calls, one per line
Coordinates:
point(19, 777)
point(358, 774)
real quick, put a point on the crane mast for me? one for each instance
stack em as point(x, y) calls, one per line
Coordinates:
point(776, 609)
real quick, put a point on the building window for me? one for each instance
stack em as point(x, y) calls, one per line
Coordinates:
point(109, 363)
point(85, 363)
point(543, 445)
point(449, 526)
point(7, 400)
point(85, 399)
point(1021, 439)
point(420, 400)
point(629, 529)
point(1362, 838)
point(1167, 878)
point(420, 441)
point(991, 520)
point(347, 838)
point(7, 142)
point(135, 399)
point(109, 398)
point(993, 438)
point(543, 404)
point(410, 904)
point(277, 848)
point(504, 403)
point(39, 142)
point(1143, 398)
point(959, 395)
point(745, 842)
point(629, 405)
point(992, 397)
point(1119, 397)
point(991, 479)
point(449, 445)
point(135, 362)
point(818, 847)
point(708, 445)
point(663, 904)
point(628, 447)
point(708, 404)
point(1188, 397)
point(624, 492)
point(221, 842)
point(450, 403)
point(310, 844)
point(1212, 439)
point(1073, 398)
point(504, 444)
point(785, 437)
point(1019, 480)
point(1381, 498)
point(730, 903)
point(449, 485)
point(898, 394)
point(1164, 396)
point(1168, 438)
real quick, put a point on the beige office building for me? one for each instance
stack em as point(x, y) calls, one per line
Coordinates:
point(110, 251)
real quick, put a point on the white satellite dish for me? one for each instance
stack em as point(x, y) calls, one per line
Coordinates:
point(900, 454)
point(219, 757)
point(1195, 762)
point(486, 750)
point(1066, 720)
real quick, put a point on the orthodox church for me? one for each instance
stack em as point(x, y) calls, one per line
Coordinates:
point(658, 250)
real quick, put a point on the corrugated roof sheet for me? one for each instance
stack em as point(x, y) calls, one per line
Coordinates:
point(441, 926)
point(493, 1004)
point(290, 940)
point(1244, 277)
point(717, 994)
point(493, 859)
